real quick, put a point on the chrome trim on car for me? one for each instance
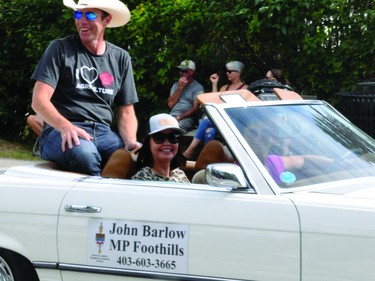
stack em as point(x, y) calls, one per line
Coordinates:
point(225, 175)
point(129, 272)
point(45, 264)
point(82, 208)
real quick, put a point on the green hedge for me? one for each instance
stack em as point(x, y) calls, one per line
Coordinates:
point(324, 46)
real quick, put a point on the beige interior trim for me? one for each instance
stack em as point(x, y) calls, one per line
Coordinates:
point(206, 98)
point(286, 95)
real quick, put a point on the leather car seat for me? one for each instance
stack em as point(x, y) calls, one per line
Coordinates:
point(120, 165)
point(212, 152)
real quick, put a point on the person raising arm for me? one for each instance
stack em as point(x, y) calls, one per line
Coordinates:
point(182, 100)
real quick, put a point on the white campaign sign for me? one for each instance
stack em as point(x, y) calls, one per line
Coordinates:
point(147, 246)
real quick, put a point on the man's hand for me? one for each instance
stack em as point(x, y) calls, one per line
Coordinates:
point(133, 146)
point(182, 82)
point(70, 134)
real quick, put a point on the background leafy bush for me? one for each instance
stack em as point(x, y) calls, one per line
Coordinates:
point(324, 46)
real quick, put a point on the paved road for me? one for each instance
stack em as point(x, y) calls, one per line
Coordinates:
point(6, 162)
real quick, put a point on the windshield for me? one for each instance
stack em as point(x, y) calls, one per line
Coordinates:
point(304, 144)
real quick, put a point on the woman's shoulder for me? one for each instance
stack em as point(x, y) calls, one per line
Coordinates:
point(224, 88)
point(143, 174)
point(179, 175)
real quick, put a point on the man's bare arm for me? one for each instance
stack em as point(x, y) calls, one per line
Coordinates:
point(41, 103)
point(189, 112)
point(173, 99)
point(128, 126)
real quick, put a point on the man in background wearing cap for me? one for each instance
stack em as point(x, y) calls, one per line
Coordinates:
point(182, 99)
point(79, 80)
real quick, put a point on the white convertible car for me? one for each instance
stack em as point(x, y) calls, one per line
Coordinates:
point(287, 194)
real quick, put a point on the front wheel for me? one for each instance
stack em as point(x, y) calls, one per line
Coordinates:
point(5, 271)
point(14, 267)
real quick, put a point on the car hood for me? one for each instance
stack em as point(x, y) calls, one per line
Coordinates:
point(338, 209)
point(361, 188)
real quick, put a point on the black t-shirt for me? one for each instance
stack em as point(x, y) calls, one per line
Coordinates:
point(87, 86)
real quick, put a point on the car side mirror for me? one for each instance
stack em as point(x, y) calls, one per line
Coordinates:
point(225, 175)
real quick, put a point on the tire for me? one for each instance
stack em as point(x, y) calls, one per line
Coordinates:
point(14, 267)
point(5, 271)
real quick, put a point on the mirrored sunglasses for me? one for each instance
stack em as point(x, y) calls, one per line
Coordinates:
point(89, 15)
point(159, 138)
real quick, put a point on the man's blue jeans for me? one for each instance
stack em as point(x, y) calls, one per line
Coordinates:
point(89, 157)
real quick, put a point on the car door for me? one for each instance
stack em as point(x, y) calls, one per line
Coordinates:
point(123, 228)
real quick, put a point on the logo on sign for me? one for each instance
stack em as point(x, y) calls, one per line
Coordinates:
point(100, 238)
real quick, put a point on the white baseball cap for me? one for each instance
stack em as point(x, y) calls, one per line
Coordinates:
point(163, 121)
point(187, 64)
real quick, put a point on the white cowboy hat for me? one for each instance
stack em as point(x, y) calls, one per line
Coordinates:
point(119, 12)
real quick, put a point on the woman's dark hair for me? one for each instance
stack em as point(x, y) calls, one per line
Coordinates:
point(279, 76)
point(145, 158)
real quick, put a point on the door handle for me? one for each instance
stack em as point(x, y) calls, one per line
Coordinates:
point(82, 209)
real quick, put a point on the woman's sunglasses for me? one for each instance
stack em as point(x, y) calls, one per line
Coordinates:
point(159, 138)
point(89, 15)
point(230, 71)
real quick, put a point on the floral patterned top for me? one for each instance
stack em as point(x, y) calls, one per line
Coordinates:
point(146, 174)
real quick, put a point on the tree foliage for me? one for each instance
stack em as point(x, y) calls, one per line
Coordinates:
point(323, 46)
point(27, 27)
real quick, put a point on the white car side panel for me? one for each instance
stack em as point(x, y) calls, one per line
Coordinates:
point(33, 221)
point(231, 235)
point(49, 274)
point(76, 276)
point(336, 245)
